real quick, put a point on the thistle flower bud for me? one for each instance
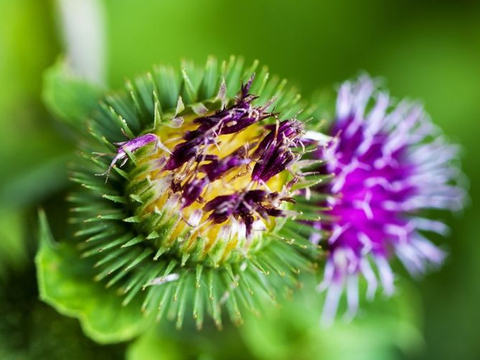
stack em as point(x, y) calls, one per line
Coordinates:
point(197, 200)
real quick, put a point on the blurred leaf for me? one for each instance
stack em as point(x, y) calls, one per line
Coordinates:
point(27, 44)
point(294, 331)
point(28, 142)
point(152, 347)
point(68, 96)
point(29, 328)
point(24, 189)
point(66, 282)
point(13, 252)
point(165, 342)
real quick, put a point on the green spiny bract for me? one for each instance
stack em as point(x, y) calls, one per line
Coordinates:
point(153, 232)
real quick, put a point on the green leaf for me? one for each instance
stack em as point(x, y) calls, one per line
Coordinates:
point(21, 188)
point(13, 251)
point(382, 329)
point(151, 346)
point(71, 98)
point(66, 282)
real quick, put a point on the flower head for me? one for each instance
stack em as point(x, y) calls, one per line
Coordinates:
point(215, 179)
point(390, 164)
point(197, 196)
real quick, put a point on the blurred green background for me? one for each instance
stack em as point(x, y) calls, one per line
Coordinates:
point(428, 50)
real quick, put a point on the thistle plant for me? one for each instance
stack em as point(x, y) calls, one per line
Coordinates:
point(207, 192)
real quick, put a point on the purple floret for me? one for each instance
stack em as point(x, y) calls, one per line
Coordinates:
point(218, 167)
point(243, 205)
point(192, 191)
point(130, 147)
point(275, 153)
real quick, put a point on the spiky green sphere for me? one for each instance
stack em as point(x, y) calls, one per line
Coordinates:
point(187, 192)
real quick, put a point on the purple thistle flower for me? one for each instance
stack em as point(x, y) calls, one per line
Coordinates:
point(390, 164)
point(197, 172)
